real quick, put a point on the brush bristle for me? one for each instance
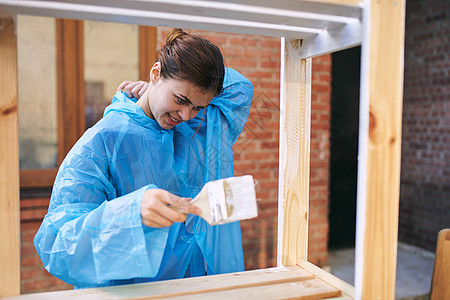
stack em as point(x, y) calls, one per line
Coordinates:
point(232, 199)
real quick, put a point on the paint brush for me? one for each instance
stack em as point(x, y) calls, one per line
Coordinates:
point(227, 200)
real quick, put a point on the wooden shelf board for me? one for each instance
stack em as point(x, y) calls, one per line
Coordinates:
point(292, 282)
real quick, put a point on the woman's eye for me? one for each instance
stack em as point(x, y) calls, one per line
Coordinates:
point(181, 100)
point(196, 108)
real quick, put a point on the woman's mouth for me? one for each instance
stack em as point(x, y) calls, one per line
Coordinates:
point(173, 121)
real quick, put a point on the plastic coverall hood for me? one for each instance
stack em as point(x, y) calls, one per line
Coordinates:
point(93, 235)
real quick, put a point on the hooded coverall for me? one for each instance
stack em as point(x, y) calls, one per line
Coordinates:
point(93, 234)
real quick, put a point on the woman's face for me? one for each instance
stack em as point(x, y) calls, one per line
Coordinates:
point(171, 102)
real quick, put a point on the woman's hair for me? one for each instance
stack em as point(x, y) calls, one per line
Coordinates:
point(192, 58)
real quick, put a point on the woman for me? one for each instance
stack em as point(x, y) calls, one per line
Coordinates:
point(109, 220)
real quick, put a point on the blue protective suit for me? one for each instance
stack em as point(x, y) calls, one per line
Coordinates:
point(93, 235)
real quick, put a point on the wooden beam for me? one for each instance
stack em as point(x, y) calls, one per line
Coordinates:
point(147, 51)
point(335, 39)
point(379, 149)
point(188, 286)
point(9, 162)
point(241, 19)
point(295, 124)
point(312, 15)
point(440, 283)
point(71, 89)
point(341, 2)
point(37, 178)
point(346, 289)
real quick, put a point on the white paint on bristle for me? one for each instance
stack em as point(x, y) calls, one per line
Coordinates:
point(232, 199)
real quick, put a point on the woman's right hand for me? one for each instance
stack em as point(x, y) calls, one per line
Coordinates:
point(156, 210)
point(133, 89)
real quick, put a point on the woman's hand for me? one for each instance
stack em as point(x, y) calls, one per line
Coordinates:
point(156, 212)
point(133, 89)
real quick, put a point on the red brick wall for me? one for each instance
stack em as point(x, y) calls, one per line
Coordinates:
point(425, 184)
point(256, 153)
point(320, 160)
point(34, 278)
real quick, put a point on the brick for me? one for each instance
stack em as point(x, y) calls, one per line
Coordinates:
point(32, 260)
point(28, 273)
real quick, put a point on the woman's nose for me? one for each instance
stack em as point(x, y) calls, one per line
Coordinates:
point(187, 113)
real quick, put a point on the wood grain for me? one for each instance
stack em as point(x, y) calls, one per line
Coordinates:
point(37, 178)
point(9, 162)
point(71, 89)
point(294, 153)
point(379, 149)
point(147, 51)
point(440, 283)
point(347, 290)
point(305, 290)
point(183, 287)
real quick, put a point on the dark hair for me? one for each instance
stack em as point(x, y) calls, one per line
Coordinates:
point(192, 58)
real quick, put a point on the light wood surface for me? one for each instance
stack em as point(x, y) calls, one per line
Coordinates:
point(9, 162)
point(295, 127)
point(71, 89)
point(183, 287)
point(379, 149)
point(440, 284)
point(304, 290)
point(347, 290)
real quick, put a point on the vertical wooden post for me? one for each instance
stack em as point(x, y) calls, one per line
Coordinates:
point(71, 89)
point(440, 283)
point(379, 149)
point(147, 51)
point(9, 162)
point(295, 124)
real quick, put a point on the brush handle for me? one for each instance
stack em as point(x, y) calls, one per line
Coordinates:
point(202, 202)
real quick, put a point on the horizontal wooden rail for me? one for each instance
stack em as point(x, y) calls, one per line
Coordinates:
point(283, 282)
point(299, 19)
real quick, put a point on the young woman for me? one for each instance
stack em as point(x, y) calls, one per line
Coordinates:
point(109, 220)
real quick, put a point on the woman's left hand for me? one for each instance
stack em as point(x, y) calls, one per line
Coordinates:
point(133, 89)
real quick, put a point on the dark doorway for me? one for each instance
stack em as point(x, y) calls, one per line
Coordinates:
point(344, 147)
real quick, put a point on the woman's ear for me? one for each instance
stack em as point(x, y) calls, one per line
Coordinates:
point(155, 73)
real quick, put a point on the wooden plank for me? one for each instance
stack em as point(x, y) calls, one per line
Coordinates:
point(147, 51)
point(185, 287)
point(71, 89)
point(313, 14)
point(239, 10)
point(342, 2)
point(346, 289)
point(305, 290)
point(344, 8)
point(37, 178)
point(9, 162)
point(335, 39)
point(440, 283)
point(153, 18)
point(379, 149)
point(295, 124)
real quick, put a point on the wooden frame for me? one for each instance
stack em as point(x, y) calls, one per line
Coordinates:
point(310, 28)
